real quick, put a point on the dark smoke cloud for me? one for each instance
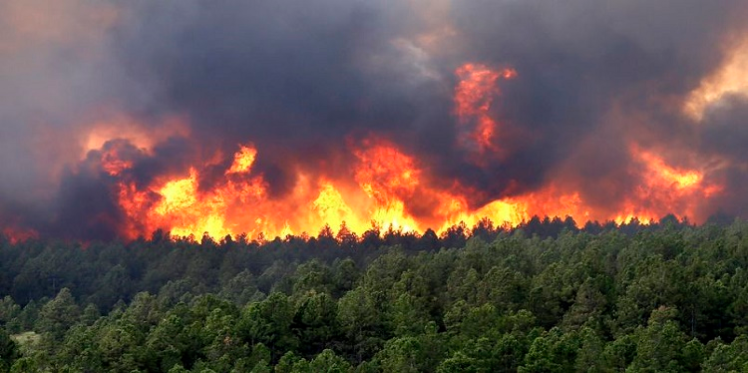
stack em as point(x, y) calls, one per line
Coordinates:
point(303, 80)
point(55, 70)
point(723, 136)
point(578, 61)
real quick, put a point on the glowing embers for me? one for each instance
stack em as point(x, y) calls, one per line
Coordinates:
point(473, 97)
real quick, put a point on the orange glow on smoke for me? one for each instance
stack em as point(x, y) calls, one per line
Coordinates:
point(17, 234)
point(474, 95)
point(112, 161)
point(730, 78)
point(139, 135)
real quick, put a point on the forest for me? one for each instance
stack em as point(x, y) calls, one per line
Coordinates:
point(668, 296)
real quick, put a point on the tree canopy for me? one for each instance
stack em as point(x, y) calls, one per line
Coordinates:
point(547, 297)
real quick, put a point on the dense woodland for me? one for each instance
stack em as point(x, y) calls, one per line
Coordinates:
point(545, 297)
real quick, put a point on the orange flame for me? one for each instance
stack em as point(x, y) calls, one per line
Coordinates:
point(243, 160)
point(665, 189)
point(473, 98)
point(389, 189)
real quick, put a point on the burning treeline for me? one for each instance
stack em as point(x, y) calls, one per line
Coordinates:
point(277, 119)
point(381, 185)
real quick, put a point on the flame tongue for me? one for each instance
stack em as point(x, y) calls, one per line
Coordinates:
point(473, 98)
point(243, 160)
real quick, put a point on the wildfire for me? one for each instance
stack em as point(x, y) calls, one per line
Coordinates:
point(383, 187)
point(387, 188)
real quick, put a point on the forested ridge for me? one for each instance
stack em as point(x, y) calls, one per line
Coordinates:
point(544, 297)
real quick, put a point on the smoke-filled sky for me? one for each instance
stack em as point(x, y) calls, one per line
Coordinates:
point(170, 84)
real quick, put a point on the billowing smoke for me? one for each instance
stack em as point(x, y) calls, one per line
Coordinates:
point(609, 105)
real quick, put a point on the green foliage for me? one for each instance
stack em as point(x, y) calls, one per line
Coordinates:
point(553, 351)
point(544, 298)
point(660, 345)
point(8, 351)
point(58, 315)
point(269, 322)
point(329, 362)
point(726, 358)
point(9, 313)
